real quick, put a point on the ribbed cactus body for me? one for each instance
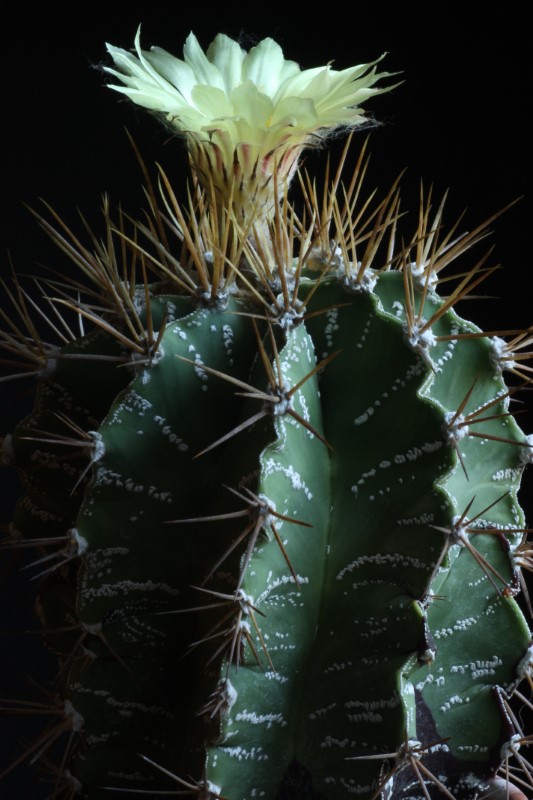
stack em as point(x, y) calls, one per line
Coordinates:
point(305, 598)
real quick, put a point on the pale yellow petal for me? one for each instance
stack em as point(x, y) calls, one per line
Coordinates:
point(297, 84)
point(150, 72)
point(211, 102)
point(252, 105)
point(228, 57)
point(295, 111)
point(174, 70)
point(263, 66)
point(204, 71)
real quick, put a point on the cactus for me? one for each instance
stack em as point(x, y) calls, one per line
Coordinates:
point(273, 488)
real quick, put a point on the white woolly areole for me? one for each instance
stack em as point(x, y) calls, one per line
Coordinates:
point(245, 600)
point(72, 781)
point(320, 258)
point(265, 510)
point(230, 695)
point(526, 452)
point(499, 355)
point(94, 628)
point(98, 446)
point(364, 285)
point(525, 665)
point(511, 747)
point(81, 543)
point(420, 274)
point(421, 340)
point(75, 718)
point(281, 408)
point(49, 368)
point(454, 427)
point(458, 531)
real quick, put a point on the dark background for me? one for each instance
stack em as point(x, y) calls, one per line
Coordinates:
point(461, 120)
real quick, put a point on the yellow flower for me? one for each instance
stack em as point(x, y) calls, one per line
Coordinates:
point(246, 116)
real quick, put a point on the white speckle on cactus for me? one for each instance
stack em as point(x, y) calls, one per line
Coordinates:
point(332, 741)
point(417, 452)
point(135, 403)
point(447, 355)
point(320, 712)
point(398, 309)
point(366, 716)
point(332, 326)
point(227, 338)
point(241, 754)
point(370, 474)
point(37, 512)
point(508, 474)
point(456, 700)
point(381, 559)
point(362, 418)
point(336, 667)
point(172, 437)
point(283, 580)
point(124, 588)
point(276, 676)
point(422, 519)
point(260, 719)
point(305, 411)
point(478, 668)
point(373, 705)
point(199, 367)
point(463, 625)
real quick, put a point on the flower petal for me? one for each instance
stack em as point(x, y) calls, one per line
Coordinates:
point(228, 57)
point(252, 105)
point(296, 112)
point(173, 69)
point(263, 66)
point(205, 72)
point(211, 102)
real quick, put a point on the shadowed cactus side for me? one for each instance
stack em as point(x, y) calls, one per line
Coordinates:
point(273, 487)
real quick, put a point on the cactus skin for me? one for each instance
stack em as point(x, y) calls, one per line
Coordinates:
point(301, 610)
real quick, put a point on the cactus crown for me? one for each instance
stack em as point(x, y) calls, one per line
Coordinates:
point(273, 483)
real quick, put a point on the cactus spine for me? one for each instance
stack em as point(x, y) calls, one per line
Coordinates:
point(275, 490)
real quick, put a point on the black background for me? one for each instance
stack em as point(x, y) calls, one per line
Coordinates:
point(460, 120)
